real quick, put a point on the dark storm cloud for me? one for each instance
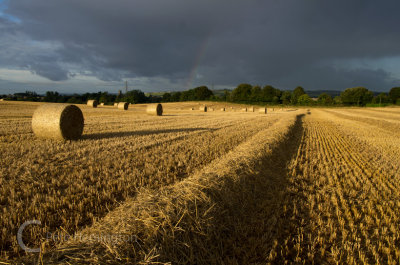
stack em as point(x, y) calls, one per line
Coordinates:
point(286, 43)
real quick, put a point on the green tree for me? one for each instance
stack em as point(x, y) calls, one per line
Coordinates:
point(297, 92)
point(51, 96)
point(255, 94)
point(304, 100)
point(135, 96)
point(242, 93)
point(394, 94)
point(337, 100)
point(226, 96)
point(382, 98)
point(202, 93)
point(356, 96)
point(286, 97)
point(325, 99)
point(103, 98)
point(270, 94)
point(187, 95)
point(166, 97)
point(176, 96)
point(74, 100)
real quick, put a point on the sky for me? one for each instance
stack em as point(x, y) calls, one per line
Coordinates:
point(75, 46)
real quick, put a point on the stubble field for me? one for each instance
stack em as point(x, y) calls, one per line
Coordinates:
point(294, 185)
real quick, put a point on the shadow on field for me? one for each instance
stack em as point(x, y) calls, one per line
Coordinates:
point(108, 135)
point(248, 213)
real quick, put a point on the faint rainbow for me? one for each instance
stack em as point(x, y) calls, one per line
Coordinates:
point(199, 56)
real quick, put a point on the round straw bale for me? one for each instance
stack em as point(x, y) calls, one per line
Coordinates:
point(154, 109)
point(262, 110)
point(203, 108)
point(251, 109)
point(123, 105)
point(101, 104)
point(92, 103)
point(244, 109)
point(58, 121)
point(222, 109)
point(116, 104)
point(191, 108)
point(1, 99)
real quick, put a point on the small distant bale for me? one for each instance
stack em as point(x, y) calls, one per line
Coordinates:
point(251, 109)
point(1, 99)
point(92, 103)
point(222, 109)
point(244, 109)
point(58, 121)
point(101, 104)
point(203, 108)
point(211, 109)
point(154, 109)
point(123, 105)
point(262, 111)
point(191, 108)
point(116, 104)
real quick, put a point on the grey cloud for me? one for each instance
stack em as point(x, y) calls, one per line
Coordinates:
point(228, 42)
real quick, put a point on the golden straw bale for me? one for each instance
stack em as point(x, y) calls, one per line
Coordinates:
point(203, 108)
point(58, 121)
point(116, 104)
point(123, 105)
point(92, 103)
point(244, 109)
point(251, 109)
point(222, 109)
point(155, 109)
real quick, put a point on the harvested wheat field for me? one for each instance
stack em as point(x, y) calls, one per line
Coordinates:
point(192, 187)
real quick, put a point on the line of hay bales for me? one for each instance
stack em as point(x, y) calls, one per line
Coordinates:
point(66, 121)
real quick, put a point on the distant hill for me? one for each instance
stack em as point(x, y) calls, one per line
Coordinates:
point(220, 92)
point(316, 93)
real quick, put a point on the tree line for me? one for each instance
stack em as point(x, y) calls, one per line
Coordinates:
point(246, 93)
point(243, 93)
